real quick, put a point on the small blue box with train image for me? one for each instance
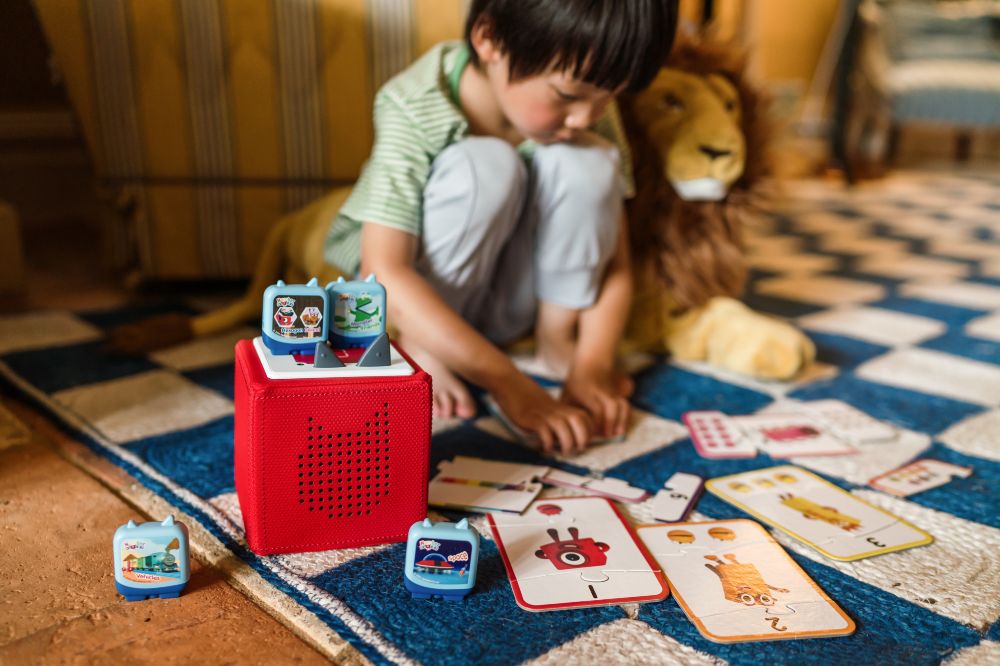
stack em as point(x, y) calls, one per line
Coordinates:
point(151, 559)
point(441, 560)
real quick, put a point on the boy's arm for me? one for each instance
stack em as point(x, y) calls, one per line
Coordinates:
point(432, 325)
point(593, 381)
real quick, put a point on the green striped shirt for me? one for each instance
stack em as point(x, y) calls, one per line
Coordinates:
point(416, 117)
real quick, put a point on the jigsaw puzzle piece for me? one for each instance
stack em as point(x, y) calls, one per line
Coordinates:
point(616, 489)
point(735, 583)
point(675, 501)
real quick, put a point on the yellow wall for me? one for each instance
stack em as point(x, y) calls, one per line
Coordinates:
point(787, 36)
point(727, 15)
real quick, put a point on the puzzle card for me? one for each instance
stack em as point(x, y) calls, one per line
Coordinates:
point(474, 484)
point(609, 487)
point(849, 422)
point(818, 513)
point(918, 476)
point(677, 497)
point(716, 435)
point(791, 435)
point(575, 552)
point(735, 583)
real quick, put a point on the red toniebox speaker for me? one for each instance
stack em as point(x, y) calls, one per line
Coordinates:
point(329, 458)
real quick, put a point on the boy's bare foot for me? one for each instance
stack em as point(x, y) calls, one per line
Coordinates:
point(451, 398)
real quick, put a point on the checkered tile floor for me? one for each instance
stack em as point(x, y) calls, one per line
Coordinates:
point(897, 282)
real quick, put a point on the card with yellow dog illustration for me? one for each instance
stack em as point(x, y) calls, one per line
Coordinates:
point(818, 513)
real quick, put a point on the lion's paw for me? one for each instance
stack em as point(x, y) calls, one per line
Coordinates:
point(736, 338)
point(762, 347)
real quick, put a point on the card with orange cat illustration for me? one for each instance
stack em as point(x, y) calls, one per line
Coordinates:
point(735, 583)
point(818, 513)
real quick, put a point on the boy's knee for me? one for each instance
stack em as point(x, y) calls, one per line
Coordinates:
point(588, 169)
point(485, 171)
point(470, 209)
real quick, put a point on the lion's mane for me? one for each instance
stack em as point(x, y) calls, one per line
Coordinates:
point(694, 248)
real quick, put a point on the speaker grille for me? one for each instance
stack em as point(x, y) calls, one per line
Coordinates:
point(345, 473)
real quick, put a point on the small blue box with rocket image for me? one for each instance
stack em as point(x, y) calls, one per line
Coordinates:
point(441, 559)
point(151, 559)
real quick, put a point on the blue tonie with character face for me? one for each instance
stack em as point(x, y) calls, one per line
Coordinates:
point(295, 317)
point(441, 559)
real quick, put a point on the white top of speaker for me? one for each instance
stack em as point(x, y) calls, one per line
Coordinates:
point(285, 366)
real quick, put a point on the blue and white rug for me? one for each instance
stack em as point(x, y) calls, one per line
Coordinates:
point(897, 282)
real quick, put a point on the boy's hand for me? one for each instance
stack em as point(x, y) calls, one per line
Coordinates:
point(556, 424)
point(603, 393)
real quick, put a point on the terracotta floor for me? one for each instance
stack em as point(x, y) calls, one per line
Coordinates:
point(58, 602)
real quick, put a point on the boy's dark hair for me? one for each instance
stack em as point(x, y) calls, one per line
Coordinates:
point(607, 43)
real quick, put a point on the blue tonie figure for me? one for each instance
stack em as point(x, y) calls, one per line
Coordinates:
point(358, 312)
point(441, 560)
point(151, 559)
point(294, 317)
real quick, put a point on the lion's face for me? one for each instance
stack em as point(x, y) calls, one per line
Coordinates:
point(694, 123)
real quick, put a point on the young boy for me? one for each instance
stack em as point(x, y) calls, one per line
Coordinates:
point(489, 208)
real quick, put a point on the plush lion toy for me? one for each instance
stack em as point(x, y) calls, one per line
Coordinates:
point(697, 139)
point(698, 136)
